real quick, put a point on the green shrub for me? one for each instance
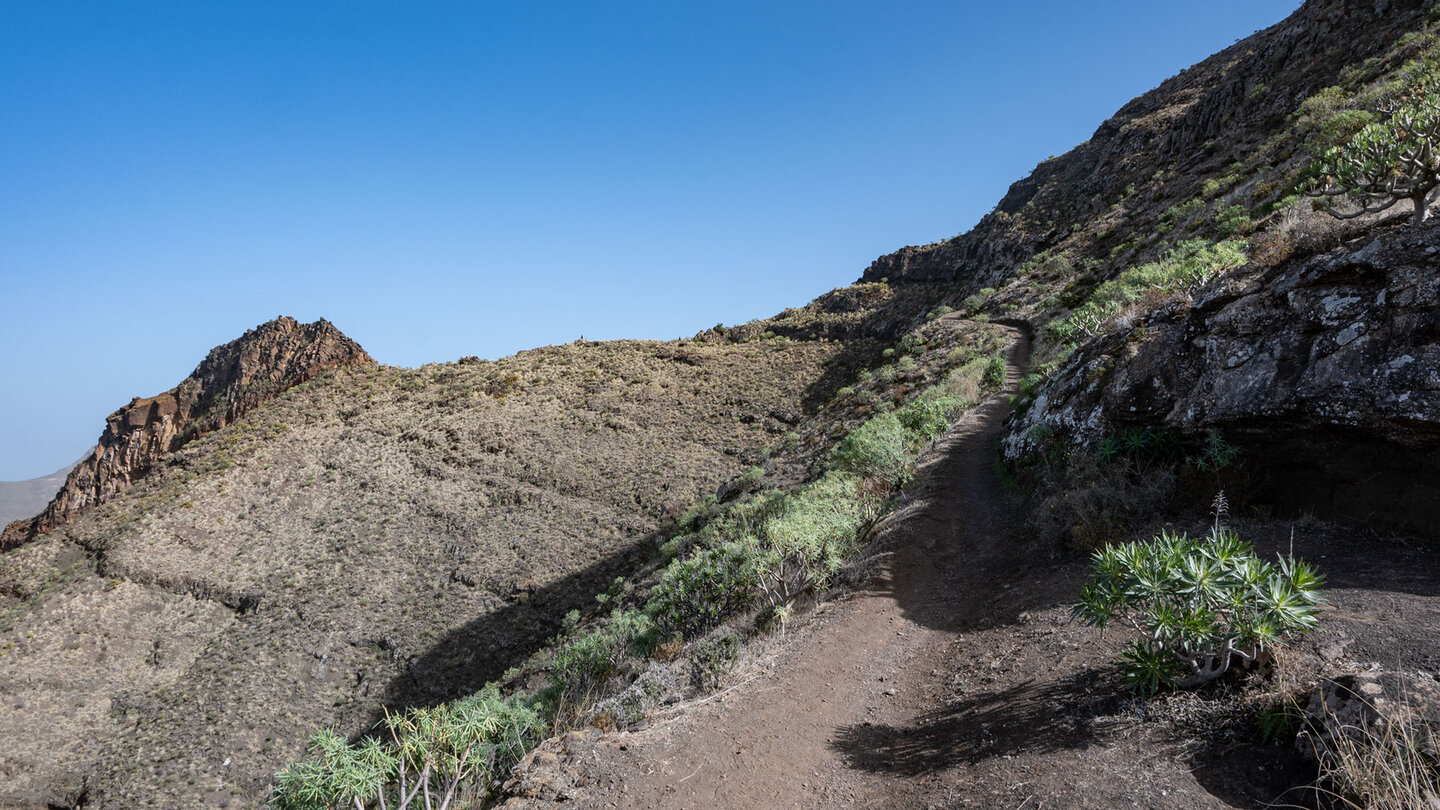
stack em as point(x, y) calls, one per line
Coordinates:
point(748, 480)
point(1328, 119)
point(1234, 220)
point(696, 514)
point(697, 592)
point(1388, 161)
point(912, 344)
point(928, 417)
point(450, 755)
point(1200, 605)
point(876, 449)
point(995, 370)
point(583, 662)
point(1026, 392)
point(1182, 211)
point(1190, 264)
point(817, 526)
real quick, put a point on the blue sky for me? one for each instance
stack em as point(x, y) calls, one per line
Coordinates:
point(445, 179)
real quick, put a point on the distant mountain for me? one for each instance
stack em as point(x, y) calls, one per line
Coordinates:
point(26, 499)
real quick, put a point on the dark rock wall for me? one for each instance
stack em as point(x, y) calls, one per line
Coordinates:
point(1326, 370)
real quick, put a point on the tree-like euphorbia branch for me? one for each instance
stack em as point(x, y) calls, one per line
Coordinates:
point(1389, 161)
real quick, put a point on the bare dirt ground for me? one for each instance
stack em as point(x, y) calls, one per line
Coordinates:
point(954, 678)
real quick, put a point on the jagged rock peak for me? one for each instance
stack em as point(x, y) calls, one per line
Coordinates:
point(232, 379)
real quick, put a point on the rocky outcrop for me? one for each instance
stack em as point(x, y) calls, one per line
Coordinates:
point(231, 380)
point(1326, 371)
point(1370, 708)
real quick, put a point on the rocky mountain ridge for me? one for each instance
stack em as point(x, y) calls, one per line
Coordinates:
point(1103, 199)
point(1312, 330)
point(231, 380)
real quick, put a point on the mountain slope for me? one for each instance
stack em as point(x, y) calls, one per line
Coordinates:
point(26, 499)
point(233, 379)
point(1174, 242)
point(1199, 329)
point(363, 538)
point(389, 537)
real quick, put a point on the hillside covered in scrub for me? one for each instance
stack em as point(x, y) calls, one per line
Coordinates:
point(304, 578)
point(381, 537)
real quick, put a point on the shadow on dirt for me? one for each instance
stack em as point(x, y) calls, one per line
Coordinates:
point(1353, 558)
point(864, 338)
point(841, 370)
point(1255, 776)
point(1030, 718)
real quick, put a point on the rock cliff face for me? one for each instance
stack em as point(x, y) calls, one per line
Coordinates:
point(1326, 370)
point(231, 380)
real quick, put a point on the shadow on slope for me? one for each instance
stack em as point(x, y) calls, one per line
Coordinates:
point(466, 658)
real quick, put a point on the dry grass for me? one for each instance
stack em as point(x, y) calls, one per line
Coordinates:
point(1391, 766)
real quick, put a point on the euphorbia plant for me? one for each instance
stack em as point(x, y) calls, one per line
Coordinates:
point(1199, 605)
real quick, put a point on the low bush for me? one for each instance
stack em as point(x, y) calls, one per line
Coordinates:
point(821, 524)
point(1191, 264)
point(876, 449)
point(583, 662)
point(928, 416)
point(995, 370)
point(449, 756)
point(697, 592)
point(713, 658)
point(1200, 606)
point(1234, 220)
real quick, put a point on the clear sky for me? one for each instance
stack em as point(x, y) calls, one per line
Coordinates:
point(442, 179)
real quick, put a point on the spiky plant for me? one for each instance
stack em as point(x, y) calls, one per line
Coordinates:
point(1200, 606)
point(434, 758)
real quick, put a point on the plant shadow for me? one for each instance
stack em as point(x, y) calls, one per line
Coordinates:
point(1031, 718)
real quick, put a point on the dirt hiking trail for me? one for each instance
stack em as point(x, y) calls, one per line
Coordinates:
point(951, 678)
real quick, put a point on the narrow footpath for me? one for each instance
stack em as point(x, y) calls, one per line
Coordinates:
point(955, 678)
